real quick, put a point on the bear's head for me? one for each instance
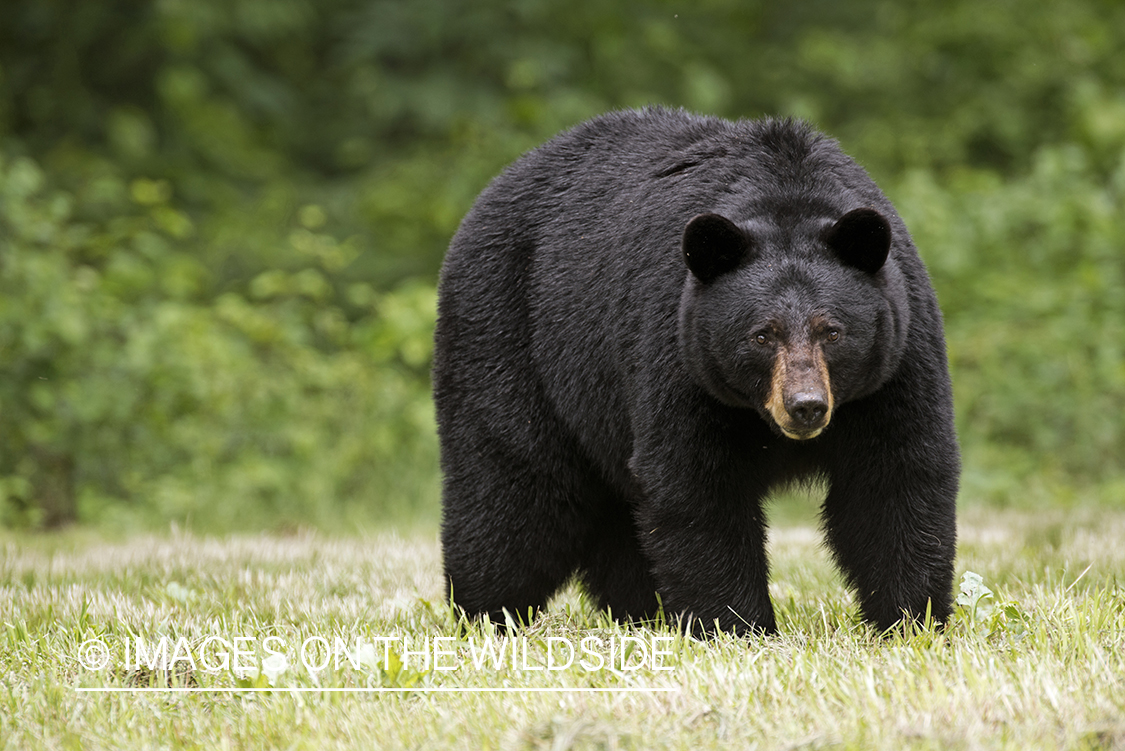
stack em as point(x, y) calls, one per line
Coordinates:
point(793, 318)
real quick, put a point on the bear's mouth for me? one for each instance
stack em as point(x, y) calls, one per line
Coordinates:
point(800, 435)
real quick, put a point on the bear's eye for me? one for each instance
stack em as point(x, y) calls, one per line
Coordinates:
point(833, 335)
point(762, 338)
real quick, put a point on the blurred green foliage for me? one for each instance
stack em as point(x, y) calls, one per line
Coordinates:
point(132, 389)
point(221, 223)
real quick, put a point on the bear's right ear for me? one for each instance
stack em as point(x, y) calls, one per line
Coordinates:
point(713, 245)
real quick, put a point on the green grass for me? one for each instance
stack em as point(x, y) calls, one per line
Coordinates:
point(1037, 665)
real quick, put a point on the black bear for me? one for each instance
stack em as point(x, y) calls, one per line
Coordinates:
point(651, 321)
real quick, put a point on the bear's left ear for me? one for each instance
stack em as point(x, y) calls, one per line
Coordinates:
point(713, 245)
point(861, 238)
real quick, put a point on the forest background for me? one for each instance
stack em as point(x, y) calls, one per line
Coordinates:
point(221, 223)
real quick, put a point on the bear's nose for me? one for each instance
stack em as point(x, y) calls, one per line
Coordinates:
point(808, 410)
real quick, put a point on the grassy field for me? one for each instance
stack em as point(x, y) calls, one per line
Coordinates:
point(1039, 664)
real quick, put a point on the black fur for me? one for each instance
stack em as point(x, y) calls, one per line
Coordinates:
point(602, 408)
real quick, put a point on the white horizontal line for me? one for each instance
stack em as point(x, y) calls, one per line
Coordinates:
point(356, 690)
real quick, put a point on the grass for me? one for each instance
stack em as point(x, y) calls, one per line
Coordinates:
point(1038, 664)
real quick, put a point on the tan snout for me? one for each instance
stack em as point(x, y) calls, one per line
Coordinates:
point(800, 399)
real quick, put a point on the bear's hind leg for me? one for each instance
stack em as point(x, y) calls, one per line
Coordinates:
point(512, 533)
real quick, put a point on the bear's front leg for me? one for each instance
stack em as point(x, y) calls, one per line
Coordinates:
point(704, 536)
point(891, 518)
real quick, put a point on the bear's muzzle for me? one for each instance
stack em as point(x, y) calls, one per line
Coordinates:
point(800, 400)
